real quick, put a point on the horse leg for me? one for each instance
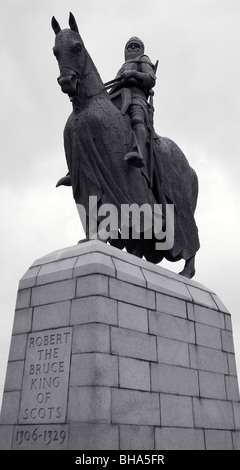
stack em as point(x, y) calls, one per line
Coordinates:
point(189, 268)
point(138, 249)
point(85, 220)
point(134, 247)
point(94, 236)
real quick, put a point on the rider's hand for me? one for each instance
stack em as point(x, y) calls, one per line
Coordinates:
point(127, 74)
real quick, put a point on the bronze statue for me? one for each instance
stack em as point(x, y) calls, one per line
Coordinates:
point(113, 153)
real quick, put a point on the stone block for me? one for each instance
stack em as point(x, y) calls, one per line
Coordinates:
point(136, 437)
point(30, 278)
point(17, 347)
point(227, 341)
point(205, 315)
point(93, 263)
point(232, 364)
point(94, 309)
point(176, 411)
point(62, 253)
point(171, 327)
point(56, 271)
point(228, 322)
point(179, 439)
point(132, 317)
point(171, 305)
point(52, 293)
point(173, 379)
point(92, 337)
point(134, 344)
point(88, 436)
point(208, 336)
point(236, 413)
point(129, 273)
point(6, 435)
point(166, 285)
point(202, 297)
point(212, 385)
point(218, 440)
point(23, 298)
point(89, 404)
point(132, 294)
point(232, 388)
point(220, 305)
point(94, 284)
point(51, 316)
point(135, 407)
point(134, 374)
point(10, 407)
point(14, 375)
point(236, 440)
point(213, 414)
point(208, 359)
point(172, 352)
point(22, 321)
point(190, 311)
point(94, 369)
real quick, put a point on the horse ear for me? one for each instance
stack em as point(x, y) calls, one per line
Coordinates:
point(55, 25)
point(72, 23)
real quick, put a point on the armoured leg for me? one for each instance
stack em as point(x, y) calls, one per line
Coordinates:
point(136, 156)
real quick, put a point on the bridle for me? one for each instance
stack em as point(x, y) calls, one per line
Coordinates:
point(80, 76)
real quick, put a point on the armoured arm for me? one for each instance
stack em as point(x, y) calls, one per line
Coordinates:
point(146, 80)
point(140, 74)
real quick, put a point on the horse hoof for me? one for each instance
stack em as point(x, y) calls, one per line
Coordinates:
point(188, 274)
point(84, 240)
point(137, 252)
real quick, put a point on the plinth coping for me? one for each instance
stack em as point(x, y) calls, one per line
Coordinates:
point(97, 257)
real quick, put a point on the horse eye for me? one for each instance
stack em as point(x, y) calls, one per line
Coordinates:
point(78, 47)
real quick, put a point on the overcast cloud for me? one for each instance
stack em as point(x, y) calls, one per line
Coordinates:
point(197, 104)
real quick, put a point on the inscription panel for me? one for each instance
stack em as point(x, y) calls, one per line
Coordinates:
point(41, 437)
point(46, 377)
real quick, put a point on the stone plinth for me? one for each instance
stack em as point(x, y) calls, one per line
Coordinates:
point(111, 352)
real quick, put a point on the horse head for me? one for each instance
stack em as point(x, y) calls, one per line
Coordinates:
point(70, 53)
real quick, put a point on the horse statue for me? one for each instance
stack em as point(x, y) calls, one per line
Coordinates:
point(97, 135)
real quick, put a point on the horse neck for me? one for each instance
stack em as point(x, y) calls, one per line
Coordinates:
point(91, 84)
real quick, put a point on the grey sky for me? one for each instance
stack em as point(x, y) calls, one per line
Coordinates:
point(197, 104)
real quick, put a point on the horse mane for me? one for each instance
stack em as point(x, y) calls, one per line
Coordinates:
point(91, 82)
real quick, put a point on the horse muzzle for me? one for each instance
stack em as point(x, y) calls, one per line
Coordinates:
point(68, 83)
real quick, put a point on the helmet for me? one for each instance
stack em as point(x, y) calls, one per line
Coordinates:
point(133, 54)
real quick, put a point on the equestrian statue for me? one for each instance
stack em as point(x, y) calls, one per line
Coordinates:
point(114, 154)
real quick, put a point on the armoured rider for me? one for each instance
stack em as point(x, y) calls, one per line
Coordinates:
point(136, 79)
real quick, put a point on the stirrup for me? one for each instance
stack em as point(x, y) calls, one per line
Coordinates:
point(134, 159)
